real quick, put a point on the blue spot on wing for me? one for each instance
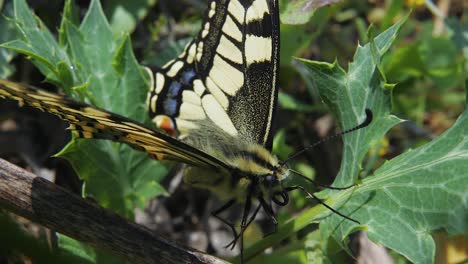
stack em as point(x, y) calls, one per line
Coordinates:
point(188, 76)
point(171, 107)
point(174, 90)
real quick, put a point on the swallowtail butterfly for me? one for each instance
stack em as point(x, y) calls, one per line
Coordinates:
point(216, 103)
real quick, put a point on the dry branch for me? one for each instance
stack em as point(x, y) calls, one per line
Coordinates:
point(45, 203)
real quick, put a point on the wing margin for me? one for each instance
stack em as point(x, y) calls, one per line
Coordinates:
point(91, 122)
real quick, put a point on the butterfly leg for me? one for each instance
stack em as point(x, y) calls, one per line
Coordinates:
point(230, 203)
point(292, 188)
point(251, 218)
point(270, 213)
point(245, 214)
point(226, 222)
point(244, 224)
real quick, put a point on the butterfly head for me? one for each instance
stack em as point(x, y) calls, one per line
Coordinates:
point(272, 185)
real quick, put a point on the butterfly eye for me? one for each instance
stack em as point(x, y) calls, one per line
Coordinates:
point(280, 198)
point(270, 179)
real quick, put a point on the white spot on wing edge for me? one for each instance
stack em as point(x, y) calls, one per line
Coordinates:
point(151, 87)
point(257, 10)
point(191, 54)
point(169, 63)
point(228, 78)
point(159, 84)
point(257, 49)
point(151, 78)
point(206, 30)
point(229, 50)
point(199, 50)
point(185, 51)
point(211, 13)
point(154, 99)
point(236, 9)
point(218, 115)
point(175, 68)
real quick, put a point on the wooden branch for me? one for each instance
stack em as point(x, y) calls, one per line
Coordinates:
point(45, 203)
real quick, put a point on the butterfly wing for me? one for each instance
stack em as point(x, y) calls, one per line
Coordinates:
point(228, 75)
point(90, 122)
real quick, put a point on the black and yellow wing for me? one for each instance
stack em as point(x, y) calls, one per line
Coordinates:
point(90, 122)
point(227, 76)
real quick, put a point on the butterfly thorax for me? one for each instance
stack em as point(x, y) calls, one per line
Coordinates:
point(247, 164)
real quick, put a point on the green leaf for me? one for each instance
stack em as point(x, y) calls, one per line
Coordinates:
point(124, 15)
point(8, 32)
point(118, 83)
point(299, 12)
point(405, 63)
point(15, 240)
point(290, 103)
point(409, 197)
point(76, 248)
point(348, 94)
point(296, 39)
point(280, 146)
point(39, 44)
point(98, 172)
point(433, 57)
point(293, 253)
point(169, 53)
point(86, 253)
point(442, 61)
point(70, 15)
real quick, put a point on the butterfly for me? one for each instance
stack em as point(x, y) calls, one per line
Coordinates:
point(213, 106)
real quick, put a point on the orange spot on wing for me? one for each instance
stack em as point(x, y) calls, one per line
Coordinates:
point(166, 124)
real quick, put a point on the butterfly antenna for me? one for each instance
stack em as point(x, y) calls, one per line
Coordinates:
point(366, 122)
point(318, 184)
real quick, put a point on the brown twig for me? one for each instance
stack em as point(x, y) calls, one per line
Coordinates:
point(45, 203)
